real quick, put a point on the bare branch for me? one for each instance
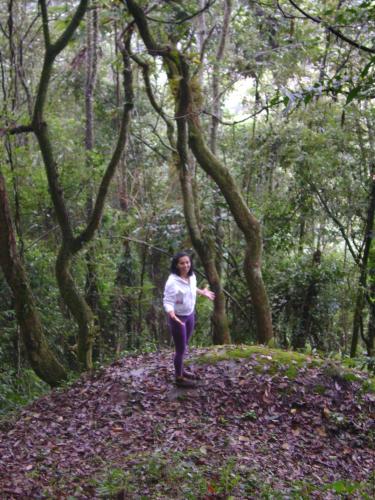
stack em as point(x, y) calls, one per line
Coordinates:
point(288, 16)
point(205, 42)
point(339, 225)
point(43, 7)
point(19, 129)
point(3, 31)
point(333, 30)
point(263, 108)
point(172, 150)
point(62, 41)
point(155, 150)
point(186, 18)
point(29, 28)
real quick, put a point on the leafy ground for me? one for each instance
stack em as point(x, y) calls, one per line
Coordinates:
point(263, 423)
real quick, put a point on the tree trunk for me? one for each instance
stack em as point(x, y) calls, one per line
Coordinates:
point(201, 245)
point(91, 285)
point(370, 339)
point(77, 305)
point(363, 292)
point(41, 358)
point(72, 245)
point(304, 329)
point(206, 254)
point(247, 223)
point(357, 328)
point(185, 98)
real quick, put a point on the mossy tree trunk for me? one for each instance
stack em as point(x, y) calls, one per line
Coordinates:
point(186, 96)
point(40, 356)
point(204, 246)
point(72, 244)
point(370, 339)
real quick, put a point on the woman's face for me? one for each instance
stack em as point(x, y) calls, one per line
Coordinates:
point(183, 265)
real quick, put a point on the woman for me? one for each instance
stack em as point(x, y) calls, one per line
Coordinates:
point(179, 303)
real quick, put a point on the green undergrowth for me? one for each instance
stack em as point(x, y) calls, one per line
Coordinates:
point(287, 363)
point(18, 390)
point(188, 475)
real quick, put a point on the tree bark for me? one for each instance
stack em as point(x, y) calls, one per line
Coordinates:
point(206, 254)
point(370, 339)
point(247, 223)
point(40, 356)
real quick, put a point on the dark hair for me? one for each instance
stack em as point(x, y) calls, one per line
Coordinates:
point(176, 258)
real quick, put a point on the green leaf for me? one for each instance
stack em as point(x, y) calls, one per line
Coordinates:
point(343, 486)
point(353, 94)
point(365, 70)
point(275, 100)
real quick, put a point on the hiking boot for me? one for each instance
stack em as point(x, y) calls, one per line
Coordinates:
point(191, 376)
point(184, 382)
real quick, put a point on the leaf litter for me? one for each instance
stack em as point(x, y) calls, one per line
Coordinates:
point(280, 431)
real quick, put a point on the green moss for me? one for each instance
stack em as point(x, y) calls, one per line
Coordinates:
point(340, 372)
point(226, 353)
point(351, 377)
point(319, 389)
point(369, 385)
point(267, 359)
point(292, 372)
point(272, 361)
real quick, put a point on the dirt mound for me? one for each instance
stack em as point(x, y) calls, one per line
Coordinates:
point(246, 430)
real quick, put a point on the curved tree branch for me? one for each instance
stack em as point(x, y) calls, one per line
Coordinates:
point(186, 18)
point(333, 30)
point(18, 129)
point(339, 225)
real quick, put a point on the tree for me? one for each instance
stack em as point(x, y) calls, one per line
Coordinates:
point(188, 126)
point(41, 358)
point(204, 246)
point(72, 244)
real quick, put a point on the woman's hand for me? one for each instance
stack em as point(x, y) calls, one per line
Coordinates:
point(173, 316)
point(205, 292)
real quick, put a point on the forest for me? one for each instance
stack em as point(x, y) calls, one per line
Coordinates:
point(240, 131)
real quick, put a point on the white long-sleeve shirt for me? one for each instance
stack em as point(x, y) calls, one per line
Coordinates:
point(179, 295)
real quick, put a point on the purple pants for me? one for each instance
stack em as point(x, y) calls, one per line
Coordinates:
point(181, 335)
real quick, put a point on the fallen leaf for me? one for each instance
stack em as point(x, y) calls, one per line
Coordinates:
point(321, 431)
point(325, 412)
